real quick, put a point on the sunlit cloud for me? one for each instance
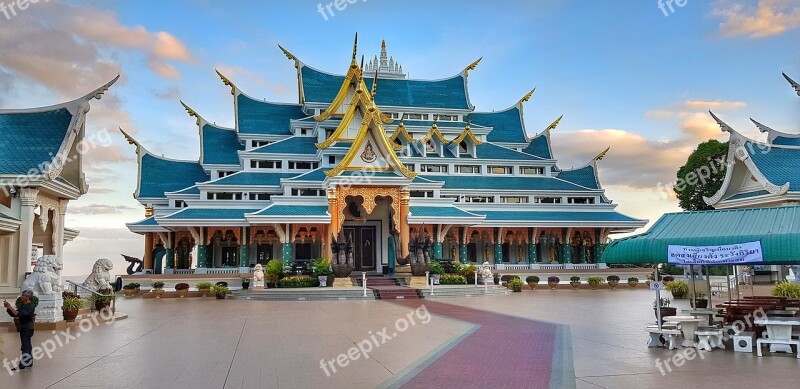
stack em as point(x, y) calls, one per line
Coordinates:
point(767, 18)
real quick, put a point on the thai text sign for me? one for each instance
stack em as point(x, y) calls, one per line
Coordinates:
point(731, 254)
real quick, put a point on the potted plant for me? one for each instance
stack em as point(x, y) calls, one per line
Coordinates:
point(102, 299)
point(131, 289)
point(515, 284)
point(786, 289)
point(553, 282)
point(220, 291)
point(204, 288)
point(633, 281)
point(496, 277)
point(575, 281)
point(158, 289)
point(666, 310)
point(667, 279)
point(532, 281)
point(700, 300)
point(650, 277)
point(321, 268)
point(245, 283)
point(436, 272)
point(613, 281)
point(73, 303)
point(182, 289)
point(273, 272)
point(679, 289)
point(594, 282)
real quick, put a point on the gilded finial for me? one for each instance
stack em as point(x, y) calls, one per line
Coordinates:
point(191, 112)
point(227, 82)
point(471, 66)
point(553, 125)
point(362, 63)
point(375, 84)
point(527, 97)
point(355, 47)
point(131, 140)
point(601, 155)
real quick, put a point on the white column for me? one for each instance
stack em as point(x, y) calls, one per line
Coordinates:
point(58, 228)
point(27, 204)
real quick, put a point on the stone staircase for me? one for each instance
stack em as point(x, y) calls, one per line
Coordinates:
point(452, 291)
point(302, 294)
point(388, 288)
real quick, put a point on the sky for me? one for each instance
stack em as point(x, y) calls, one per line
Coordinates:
point(625, 74)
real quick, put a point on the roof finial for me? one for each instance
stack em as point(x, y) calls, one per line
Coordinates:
point(553, 125)
point(794, 84)
point(374, 85)
point(471, 66)
point(526, 97)
point(722, 125)
point(601, 155)
point(131, 140)
point(290, 56)
point(191, 112)
point(362, 63)
point(761, 127)
point(355, 47)
point(227, 82)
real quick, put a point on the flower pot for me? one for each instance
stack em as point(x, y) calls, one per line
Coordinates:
point(666, 311)
point(182, 292)
point(517, 288)
point(70, 315)
point(496, 280)
point(272, 285)
point(246, 285)
point(418, 269)
point(678, 295)
point(220, 296)
point(575, 284)
point(633, 284)
point(701, 303)
point(594, 286)
point(613, 284)
point(128, 292)
point(532, 285)
point(100, 305)
point(204, 292)
point(158, 293)
point(552, 285)
point(323, 281)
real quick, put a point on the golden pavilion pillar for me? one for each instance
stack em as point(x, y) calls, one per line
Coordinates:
point(404, 200)
point(333, 227)
point(147, 259)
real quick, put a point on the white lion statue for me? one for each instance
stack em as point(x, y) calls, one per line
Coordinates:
point(486, 271)
point(45, 280)
point(100, 277)
point(258, 274)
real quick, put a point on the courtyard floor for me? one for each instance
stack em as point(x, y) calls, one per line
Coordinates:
point(542, 338)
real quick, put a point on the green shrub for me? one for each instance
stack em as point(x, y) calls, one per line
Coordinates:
point(594, 281)
point(786, 289)
point(452, 279)
point(468, 271)
point(204, 285)
point(157, 285)
point(515, 282)
point(612, 278)
point(436, 268)
point(274, 270)
point(532, 279)
point(574, 279)
point(633, 279)
point(508, 278)
point(678, 287)
point(72, 303)
point(132, 286)
point(321, 267)
point(297, 282)
point(182, 286)
point(220, 289)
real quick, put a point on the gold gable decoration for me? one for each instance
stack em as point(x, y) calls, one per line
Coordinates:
point(400, 131)
point(467, 133)
point(354, 75)
point(434, 131)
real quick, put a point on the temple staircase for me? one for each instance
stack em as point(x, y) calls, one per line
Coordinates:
point(389, 288)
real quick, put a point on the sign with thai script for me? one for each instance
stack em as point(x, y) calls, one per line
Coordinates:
point(732, 254)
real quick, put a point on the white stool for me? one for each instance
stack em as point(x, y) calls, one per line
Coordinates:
point(670, 333)
point(743, 342)
point(709, 338)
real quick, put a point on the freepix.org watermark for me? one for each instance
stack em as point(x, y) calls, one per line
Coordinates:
point(375, 340)
point(10, 9)
point(340, 5)
point(665, 5)
point(61, 339)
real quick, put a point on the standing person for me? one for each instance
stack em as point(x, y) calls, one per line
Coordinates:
point(25, 314)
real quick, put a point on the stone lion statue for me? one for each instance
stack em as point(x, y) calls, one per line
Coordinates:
point(486, 271)
point(258, 273)
point(45, 280)
point(100, 277)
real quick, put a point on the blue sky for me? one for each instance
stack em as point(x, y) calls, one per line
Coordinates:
point(621, 72)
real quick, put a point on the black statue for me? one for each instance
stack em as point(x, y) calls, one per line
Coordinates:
point(342, 255)
point(133, 262)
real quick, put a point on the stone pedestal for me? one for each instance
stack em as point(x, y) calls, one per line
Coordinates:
point(340, 282)
point(49, 309)
point(258, 284)
point(418, 281)
point(405, 269)
point(201, 270)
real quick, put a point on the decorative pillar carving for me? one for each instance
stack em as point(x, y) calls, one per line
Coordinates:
point(28, 198)
point(404, 201)
point(58, 228)
point(244, 252)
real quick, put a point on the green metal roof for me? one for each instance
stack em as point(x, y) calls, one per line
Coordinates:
point(209, 213)
point(30, 139)
point(265, 118)
point(220, 145)
point(777, 228)
point(507, 125)
point(161, 175)
point(294, 210)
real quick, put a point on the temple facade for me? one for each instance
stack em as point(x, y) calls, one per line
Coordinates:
point(378, 159)
point(41, 171)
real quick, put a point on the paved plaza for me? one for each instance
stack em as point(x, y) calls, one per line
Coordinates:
point(541, 339)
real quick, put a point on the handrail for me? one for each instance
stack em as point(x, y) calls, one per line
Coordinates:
point(94, 292)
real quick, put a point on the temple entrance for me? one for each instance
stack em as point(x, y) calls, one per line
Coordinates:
point(364, 246)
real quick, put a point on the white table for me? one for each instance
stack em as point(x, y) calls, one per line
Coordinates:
point(688, 325)
point(779, 334)
point(706, 314)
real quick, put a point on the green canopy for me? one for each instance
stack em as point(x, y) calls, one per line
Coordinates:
point(778, 230)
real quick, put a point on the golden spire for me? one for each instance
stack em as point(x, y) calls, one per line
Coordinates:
point(355, 48)
point(553, 125)
point(227, 82)
point(374, 86)
point(471, 66)
point(601, 155)
point(191, 112)
point(526, 97)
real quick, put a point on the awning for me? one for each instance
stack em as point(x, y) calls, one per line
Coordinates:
point(778, 230)
point(441, 214)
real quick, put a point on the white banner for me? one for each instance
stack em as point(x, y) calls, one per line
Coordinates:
point(732, 254)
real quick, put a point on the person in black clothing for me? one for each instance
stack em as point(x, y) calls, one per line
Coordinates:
point(25, 314)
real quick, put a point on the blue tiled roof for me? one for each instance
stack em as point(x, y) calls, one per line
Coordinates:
point(192, 190)
point(546, 216)
point(253, 179)
point(786, 141)
point(583, 176)
point(450, 93)
point(748, 195)
point(210, 213)
point(220, 146)
point(162, 175)
point(507, 125)
point(488, 150)
point(304, 145)
point(263, 118)
point(507, 183)
point(447, 211)
point(429, 123)
point(314, 175)
point(6, 217)
point(150, 221)
point(539, 147)
point(294, 210)
point(777, 164)
point(30, 139)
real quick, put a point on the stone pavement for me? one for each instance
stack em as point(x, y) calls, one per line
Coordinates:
point(519, 340)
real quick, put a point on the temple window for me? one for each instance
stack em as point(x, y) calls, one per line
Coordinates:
point(259, 196)
point(500, 169)
point(580, 200)
point(514, 199)
point(224, 196)
point(456, 198)
point(479, 199)
point(463, 147)
point(430, 147)
point(421, 193)
point(260, 143)
point(547, 200)
point(224, 174)
point(299, 165)
point(180, 204)
point(328, 132)
point(468, 169)
point(332, 159)
point(308, 192)
point(448, 118)
point(410, 166)
point(414, 116)
point(433, 168)
point(256, 164)
point(539, 171)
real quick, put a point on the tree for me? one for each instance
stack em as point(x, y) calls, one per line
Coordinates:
point(702, 175)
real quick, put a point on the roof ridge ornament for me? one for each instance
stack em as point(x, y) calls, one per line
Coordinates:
point(192, 112)
point(290, 56)
point(471, 66)
point(793, 83)
point(552, 126)
point(527, 97)
point(132, 141)
point(761, 127)
point(602, 155)
point(226, 81)
point(722, 125)
point(355, 49)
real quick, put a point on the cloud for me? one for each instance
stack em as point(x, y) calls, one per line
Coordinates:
point(170, 93)
point(715, 105)
point(238, 73)
point(93, 243)
point(768, 18)
point(694, 120)
point(98, 209)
